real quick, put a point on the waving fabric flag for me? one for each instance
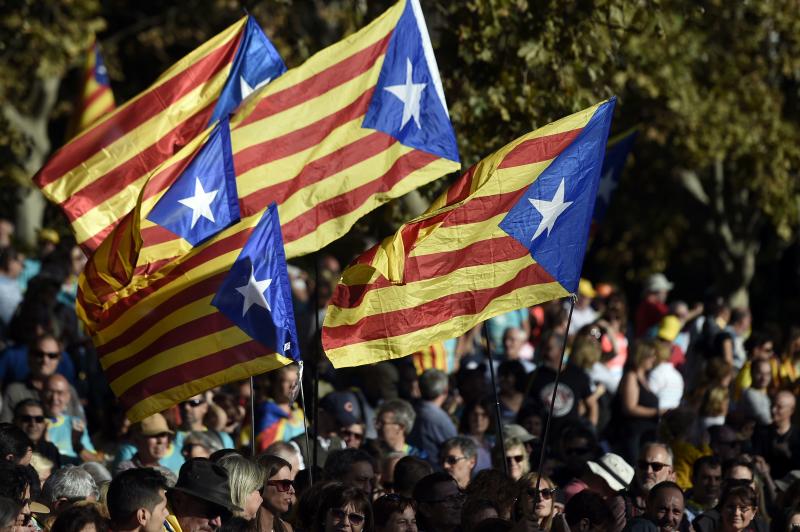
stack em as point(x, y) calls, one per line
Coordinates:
point(97, 99)
point(616, 155)
point(510, 233)
point(97, 177)
point(359, 123)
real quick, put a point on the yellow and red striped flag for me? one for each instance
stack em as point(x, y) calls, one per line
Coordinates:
point(96, 178)
point(510, 233)
point(359, 123)
point(97, 99)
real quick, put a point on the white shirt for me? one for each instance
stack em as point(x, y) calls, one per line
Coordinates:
point(666, 382)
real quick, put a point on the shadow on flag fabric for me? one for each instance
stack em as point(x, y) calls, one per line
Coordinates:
point(256, 295)
point(358, 124)
point(616, 155)
point(510, 233)
point(96, 99)
point(97, 177)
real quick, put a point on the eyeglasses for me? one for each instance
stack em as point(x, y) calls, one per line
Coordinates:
point(194, 403)
point(282, 485)
point(31, 419)
point(453, 460)
point(733, 508)
point(543, 493)
point(657, 466)
point(351, 434)
point(518, 458)
point(38, 353)
point(340, 515)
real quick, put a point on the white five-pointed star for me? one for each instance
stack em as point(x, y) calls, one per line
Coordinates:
point(550, 210)
point(253, 293)
point(409, 93)
point(200, 203)
point(246, 89)
point(607, 186)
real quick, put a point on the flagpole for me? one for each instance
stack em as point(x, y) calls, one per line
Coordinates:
point(315, 367)
point(252, 417)
point(546, 436)
point(305, 423)
point(498, 418)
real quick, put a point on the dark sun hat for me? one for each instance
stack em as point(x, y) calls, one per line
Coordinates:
point(205, 480)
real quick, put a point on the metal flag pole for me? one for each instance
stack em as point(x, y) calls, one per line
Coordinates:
point(305, 423)
point(546, 436)
point(252, 417)
point(498, 418)
point(315, 367)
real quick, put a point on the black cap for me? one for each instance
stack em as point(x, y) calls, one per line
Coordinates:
point(201, 478)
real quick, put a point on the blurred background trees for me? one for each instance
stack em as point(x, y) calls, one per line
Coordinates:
point(711, 195)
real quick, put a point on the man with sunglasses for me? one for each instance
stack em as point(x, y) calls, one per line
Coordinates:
point(29, 416)
point(459, 456)
point(44, 357)
point(653, 467)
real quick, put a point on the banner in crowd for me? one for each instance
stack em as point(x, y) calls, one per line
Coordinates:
point(359, 123)
point(511, 233)
point(97, 177)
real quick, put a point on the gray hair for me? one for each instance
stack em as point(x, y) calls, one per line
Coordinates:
point(403, 413)
point(71, 483)
point(432, 384)
point(667, 449)
point(98, 471)
point(467, 445)
point(204, 439)
point(244, 477)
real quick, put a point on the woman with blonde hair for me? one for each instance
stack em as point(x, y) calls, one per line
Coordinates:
point(533, 504)
point(516, 457)
point(246, 480)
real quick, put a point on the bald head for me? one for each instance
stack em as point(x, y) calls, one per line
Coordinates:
point(56, 395)
point(783, 408)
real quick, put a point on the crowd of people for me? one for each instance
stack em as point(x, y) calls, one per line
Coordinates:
point(667, 417)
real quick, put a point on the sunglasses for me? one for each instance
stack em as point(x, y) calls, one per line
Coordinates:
point(453, 460)
point(657, 466)
point(351, 434)
point(31, 419)
point(518, 458)
point(194, 403)
point(340, 515)
point(282, 485)
point(38, 353)
point(543, 493)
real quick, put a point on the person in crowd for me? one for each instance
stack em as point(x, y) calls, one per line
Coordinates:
point(759, 347)
point(201, 498)
point(475, 511)
point(459, 456)
point(439, 503)
point(352, 466)
point(665, 510)
point(67, 432)
point(536, 500)
point(15, 485)
point(152, 438)
point(9, 512)
point(197, 444)
point(494, 485)
point(735, 512)
point(15, 446)
point(477, 423)
point(664, 380)
point(137, 501)
point(518, 348)
point(341, 505)
point(88, 517)
point(278, 494)
point(497, 326)
point(636, 409)
point(653, 306)
point(432, 426)
point(393, 423)
point(246, 481)
point(29, 416)
point(729, 343)
point(288, 451)
point(193, 413)
point(68, 485)
point(577, 445)
point(574, 399)
point(587, 351)
point(407, 472)
point(516, 457)
point(336, 411)
point(44, 355)
point(724, 442)
point(706, 486)
point(11, 262)
point(512, 380)
point(395, 513)
point(717, 373)
point(587, 511)
point(755, 402)
point(279, 414)
point(779, 442)
point(353, 435)
point(653, 467)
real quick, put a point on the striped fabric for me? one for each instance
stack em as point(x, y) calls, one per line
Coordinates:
point(145, 295)
point(96, 98)
point(454, 267)
point(96, 178)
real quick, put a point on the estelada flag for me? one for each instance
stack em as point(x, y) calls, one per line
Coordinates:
point(511, 233)
point(97, 177)
point(96, 98)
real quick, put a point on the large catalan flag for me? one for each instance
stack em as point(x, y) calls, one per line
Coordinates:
point(96, 178)
point(359, 123)
point(510, 233)
point(96, 98)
